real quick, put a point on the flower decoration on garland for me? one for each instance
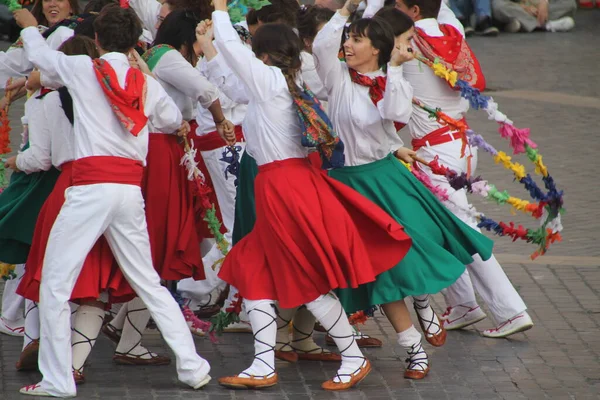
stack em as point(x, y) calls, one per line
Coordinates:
point(238, 9)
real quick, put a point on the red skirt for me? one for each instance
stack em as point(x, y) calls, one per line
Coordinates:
point(201, 225)
point(99, 272)
point(168, 195)
point(312, 234)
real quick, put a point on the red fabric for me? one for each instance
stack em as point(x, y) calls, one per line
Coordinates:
point(128, 103)
point(453, 52)
point(441, 136)
point(312, 234)
point(315, 160)
point(376, 89)
point(170, 211)
point(99, 272)
point(107, 169)
point(201, 225)
point(213, 141)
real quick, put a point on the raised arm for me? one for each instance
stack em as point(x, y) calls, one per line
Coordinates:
point(217, 72)
point(326, 48)
point(261, 81)
point(372, 7)
point(396, 104)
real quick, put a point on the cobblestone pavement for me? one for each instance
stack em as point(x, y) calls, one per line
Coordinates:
point(545, 81)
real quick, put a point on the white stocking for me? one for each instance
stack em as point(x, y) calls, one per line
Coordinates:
point(410, 340)
point(263, 319)
point(32, 323)
point(430, 321)
point(119, 320)
point(284, 317)
point(136, 319)
point(330, 314)
point(303, 327)
point(84, 332)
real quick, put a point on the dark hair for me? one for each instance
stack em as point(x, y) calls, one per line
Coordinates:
point(281, 11)
point(86, 27)
point(118, 29)
point(281, 44)
point(79, 45)
point(201, 9)
point(429, 8)
point(251, 17)
point(379, 32)
point(309, 19)
point(95, 6)
point(399, 21)
point(38, 11)
point(178, 30)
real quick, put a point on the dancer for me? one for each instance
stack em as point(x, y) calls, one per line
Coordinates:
point(363, 103)
point(305, 242)
point(435, 39)
point(110, 149)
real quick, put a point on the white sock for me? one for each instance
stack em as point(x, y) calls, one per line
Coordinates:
point(264, 328)
point(330, 314)
point(136, 319)
point(32, 323)
point(410, 340)
point(119, 320)
point(430, 320)
point(302, 333)
point(284, 317)
point(84, 332)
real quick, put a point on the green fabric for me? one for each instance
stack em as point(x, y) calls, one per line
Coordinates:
point(20, 204)
point(153, 55)
point(245, 209)
point(442, 243)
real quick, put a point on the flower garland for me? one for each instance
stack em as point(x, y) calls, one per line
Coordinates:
point(7, 271)
point(548, 205)
point(4, 136)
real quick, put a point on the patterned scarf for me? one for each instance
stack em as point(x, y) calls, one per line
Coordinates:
point(376, 89)
point(154, 54)
point(128, 103)
point(318, 131)
point(453, 52)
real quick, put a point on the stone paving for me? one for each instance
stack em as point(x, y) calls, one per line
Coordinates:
point(545, 81)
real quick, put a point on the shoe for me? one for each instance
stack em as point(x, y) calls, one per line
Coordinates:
point(36, 390)
point(363, 341)
point(289, 356)
point(129, 359)
point(485, 28)
point(355, 378)
point(563, 24)
point(28, 360)
point(513, 26)
point(78, 377)
point(418, 363)
point(112, 333)
point(203, 382)
point(16, 329)
point(238, 327)
point(522, 322)
point(461, 316)
point(435, 339)
point(249, 382)
point(318, 354)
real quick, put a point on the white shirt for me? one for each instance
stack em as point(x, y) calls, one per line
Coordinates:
point(430, 89)
point(367, 130)
point(219, 74)
point(14, 62)
point(184, 83)
point(271, 126)
point(98, 131)
point(147, 11)
point(311, 77)
point(50, 135)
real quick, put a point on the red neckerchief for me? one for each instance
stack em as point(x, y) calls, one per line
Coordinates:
point(376, 89)
point(452, 51)
point(128, 103)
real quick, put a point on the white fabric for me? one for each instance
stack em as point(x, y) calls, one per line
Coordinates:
point(13, 304)
point(367, 130)
point(147, 11)
point(32, 322)
point(50, 135)
point(264, 327)
point(184, 83)
point(271, 127)
point(284, 317)
point(372, 7)
point(14, 62)
point(303, 327)
point(98, 131)
point(84, 332)
point(133, 328)
point(117, 211)
point(311, 77)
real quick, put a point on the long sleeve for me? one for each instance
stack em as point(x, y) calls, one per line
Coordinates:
point(372, 7)
point(217, 72)
point(161, 110)
point(311, 77)
point(57, 66)
point(147, 11)
point(326, 48)
point(14, 64)
point(262, 82)
point(176, 71)
point(38, 157)
point(396, 104)
point(446, 16)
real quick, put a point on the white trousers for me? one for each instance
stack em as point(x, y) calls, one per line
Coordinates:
point(225, 191)
point(13, 304)
point(117, 211)
point(486, 277)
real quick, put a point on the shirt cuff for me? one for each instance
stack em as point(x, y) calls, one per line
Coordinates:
point(394, 72)
point(223, 24)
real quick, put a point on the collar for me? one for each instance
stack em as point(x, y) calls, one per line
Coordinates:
point(114, 56)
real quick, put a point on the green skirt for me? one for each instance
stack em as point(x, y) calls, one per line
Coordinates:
point(245, 210)
point(442, 243)
point(20, 204)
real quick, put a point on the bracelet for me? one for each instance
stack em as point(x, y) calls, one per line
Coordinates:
point(221, 121)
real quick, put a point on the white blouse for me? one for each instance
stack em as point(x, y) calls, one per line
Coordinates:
point(311, 77)
point(50, 135)
point(147, 11)
point(184, 83)
point(271, 126)
point(367, 130)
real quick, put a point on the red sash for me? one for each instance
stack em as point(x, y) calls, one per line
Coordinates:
point(213, 141)
point(107, 169)
point(452, 51)
point(128, 103)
